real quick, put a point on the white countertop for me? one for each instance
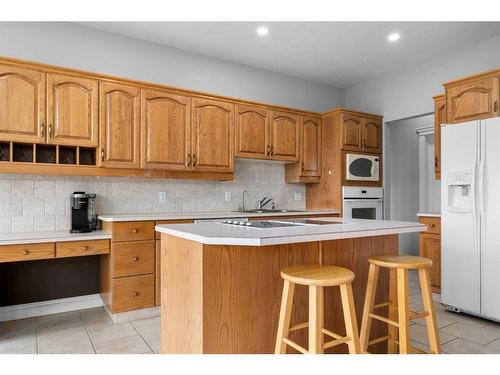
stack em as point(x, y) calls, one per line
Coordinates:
point(429, 214)
point(213, 233)
point(206, 215)
point(54, 236)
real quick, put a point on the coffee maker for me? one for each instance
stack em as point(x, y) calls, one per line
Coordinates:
point(83, 212)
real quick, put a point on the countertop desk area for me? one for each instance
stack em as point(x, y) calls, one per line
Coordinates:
point(223, 287)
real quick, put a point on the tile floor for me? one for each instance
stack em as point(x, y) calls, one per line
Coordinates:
point(92, 331)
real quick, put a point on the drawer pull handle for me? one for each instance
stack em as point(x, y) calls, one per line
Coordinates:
point(136, 294)
point(135, 259)
point(135, 230)
point(432, 225)
point(25, 252)
point(85, 248)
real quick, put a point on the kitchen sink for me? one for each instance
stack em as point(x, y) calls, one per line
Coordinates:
point(267, 211)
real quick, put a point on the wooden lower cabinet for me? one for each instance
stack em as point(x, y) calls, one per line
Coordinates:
point(430, 247)
point(132, 293)
point(157, 273)
point(133, 258)
point(81, 248)
point(17, 253)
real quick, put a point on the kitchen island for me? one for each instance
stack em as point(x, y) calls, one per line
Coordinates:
point(221, 285)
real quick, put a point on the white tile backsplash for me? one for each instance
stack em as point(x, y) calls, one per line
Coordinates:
point(41, 203)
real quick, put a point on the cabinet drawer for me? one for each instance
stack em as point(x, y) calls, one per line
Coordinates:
point(133, 231)
point(134, 292)
point(180, 221)
point(433, 224)
point(81, 248)
point(133, 258)
point(16, 253)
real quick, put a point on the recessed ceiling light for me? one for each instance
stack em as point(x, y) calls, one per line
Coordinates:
point(262, 30)
point(393, 37)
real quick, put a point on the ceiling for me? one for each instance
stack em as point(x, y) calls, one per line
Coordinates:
point(340, 54)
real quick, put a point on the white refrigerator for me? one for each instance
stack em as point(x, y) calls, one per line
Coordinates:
point(470, 217)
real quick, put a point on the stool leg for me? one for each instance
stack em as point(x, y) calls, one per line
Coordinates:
point(284, 320)
point(430, 319)
point(316, 311)
point(366, 322)
point(403, 311)
point(393, 311)
point(351, 324)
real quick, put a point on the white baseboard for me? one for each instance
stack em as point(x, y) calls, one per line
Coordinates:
point(149, 312)
point(29, 310)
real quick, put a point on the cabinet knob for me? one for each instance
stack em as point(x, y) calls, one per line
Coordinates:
point(25, 252)
point(136, 294)
point(432, 225)
point(135, 230)
point(268, 152)
point(85, 248)
point(302, 165)
point(495, 106)
point(194, 160)
point(272, 150)
point(135, 259)
point(42, 130)
point(102, 153)
point(50, 130)
point(189, 160)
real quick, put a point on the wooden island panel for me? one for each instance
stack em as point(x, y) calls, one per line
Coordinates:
point(226, 299)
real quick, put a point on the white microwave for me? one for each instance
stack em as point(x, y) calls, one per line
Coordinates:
point(362, 167)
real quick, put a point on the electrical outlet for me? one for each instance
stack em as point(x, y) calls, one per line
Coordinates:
point(297, 197)
point(162, 196)
point(227, 196)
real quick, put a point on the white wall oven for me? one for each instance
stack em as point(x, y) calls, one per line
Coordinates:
point(361, 167)
point(363, 202)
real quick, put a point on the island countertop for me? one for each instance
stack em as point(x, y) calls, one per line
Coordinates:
point(216, 233)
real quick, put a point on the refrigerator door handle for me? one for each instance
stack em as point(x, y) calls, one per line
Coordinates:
point(481, 190)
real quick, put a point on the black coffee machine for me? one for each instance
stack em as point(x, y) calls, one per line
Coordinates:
point(83, 212)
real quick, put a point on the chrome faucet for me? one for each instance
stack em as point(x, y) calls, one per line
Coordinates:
point(243, 194)
point(264, 201)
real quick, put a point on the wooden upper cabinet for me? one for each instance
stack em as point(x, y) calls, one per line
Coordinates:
point(311, 146)
point(372, 135)
point(251, 132)
point(439, 118)
point(120, 119)
point(351, 132)
point(22, 105)
point(212, 123)
point(285, 136)
point(166, 130)
point(472, 99)
point(72, 110)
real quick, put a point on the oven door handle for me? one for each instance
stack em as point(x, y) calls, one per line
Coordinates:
point(363, 199)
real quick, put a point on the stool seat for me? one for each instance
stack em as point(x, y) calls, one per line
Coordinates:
point(316, 275)
point(408, 262)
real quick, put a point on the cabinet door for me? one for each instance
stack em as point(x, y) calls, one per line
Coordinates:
point(439, 118)
point(251, 132)
point(285, 136)
point(72, 110)
point(472, 100)
point(119, 108)
point(350, 132)
point(372, 135)
point(212, 135)
point(311, 146)
point(22, 105)
point(430, 247)
point(166, 130)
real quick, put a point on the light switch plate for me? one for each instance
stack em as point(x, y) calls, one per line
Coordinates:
point(162, 197)
point(297, 197)
point(227, 196)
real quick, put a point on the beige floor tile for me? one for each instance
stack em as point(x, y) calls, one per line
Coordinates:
point(103, 333)
point(126, 345)
point(69, 340)
point(18, 337)
point(460, 346)
point(494, 346)
point(419, 345)
point(155, 345)
point(61, 321)
point(149, 329)
point(442, 321)
point(96, 317)
point(479, 335)
point(419, 333)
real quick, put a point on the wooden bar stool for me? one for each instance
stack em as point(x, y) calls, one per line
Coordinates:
point(399, 312)
point(317, 277)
